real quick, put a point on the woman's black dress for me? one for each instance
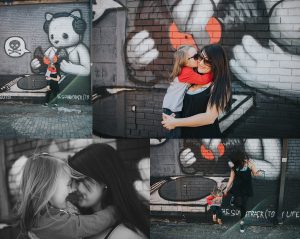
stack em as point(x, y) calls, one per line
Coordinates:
point(195, 103)
point(242, 183)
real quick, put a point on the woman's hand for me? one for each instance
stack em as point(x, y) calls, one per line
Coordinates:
point(169, 121)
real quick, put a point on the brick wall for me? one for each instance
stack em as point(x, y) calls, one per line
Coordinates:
point(184, 172)
point(268, 71)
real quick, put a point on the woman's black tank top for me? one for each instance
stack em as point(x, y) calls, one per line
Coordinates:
point(195, 103)
point(242, 183)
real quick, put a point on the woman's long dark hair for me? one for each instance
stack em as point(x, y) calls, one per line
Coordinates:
point(238, 156)
point(221, 90)
point(102, 163)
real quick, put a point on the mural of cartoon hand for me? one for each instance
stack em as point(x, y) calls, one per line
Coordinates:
point(266, 156)
point(35, 64)
point(69, 67)
point(101, 6)
point(212, 149)
point(268, 69)
point(141, 50)
point(286, 36)
point(143, 186)
point(187, 157)
point(66, 67)
point(189, 17)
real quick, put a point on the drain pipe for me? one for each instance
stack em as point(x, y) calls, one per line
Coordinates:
point(284, 159)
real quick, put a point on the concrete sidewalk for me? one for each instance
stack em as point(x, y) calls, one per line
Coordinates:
point(23, 120)
point(183, 230)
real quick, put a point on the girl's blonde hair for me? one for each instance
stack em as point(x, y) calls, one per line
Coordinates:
point(217, 191)
point(181, 58)
point(38, 185)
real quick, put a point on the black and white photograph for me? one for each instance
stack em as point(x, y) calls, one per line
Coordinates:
point(81, 188)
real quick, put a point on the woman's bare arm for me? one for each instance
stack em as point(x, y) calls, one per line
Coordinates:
point(197, 120)
point(230, 181)
point(254, 171)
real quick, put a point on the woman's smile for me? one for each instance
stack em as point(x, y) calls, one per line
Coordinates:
point(203, 68)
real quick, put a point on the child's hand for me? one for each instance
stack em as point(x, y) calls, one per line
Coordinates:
point(168, 122)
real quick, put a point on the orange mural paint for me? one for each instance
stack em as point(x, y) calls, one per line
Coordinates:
point(214, 30)
point(206, 153)
point(177, 38)
point(221, 149)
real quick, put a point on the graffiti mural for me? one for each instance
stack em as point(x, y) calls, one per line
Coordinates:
point(186, 24)
point(59, 47)
point(15, 47)
point(262, 43)
point(180, 185)
point(101, 6)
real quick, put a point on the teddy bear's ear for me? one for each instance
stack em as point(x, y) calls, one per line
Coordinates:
point(76, 13)
point(48, 16)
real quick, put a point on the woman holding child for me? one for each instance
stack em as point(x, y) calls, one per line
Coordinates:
point(202, 103)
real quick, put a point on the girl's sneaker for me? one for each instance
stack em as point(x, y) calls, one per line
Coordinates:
point(242, 227)
point(232, 201)
point(214, 218)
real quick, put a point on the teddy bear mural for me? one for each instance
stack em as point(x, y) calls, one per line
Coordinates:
point(65, 32)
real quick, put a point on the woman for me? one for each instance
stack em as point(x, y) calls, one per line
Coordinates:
point(106, 183)
point(202, 105)
point(240, 181)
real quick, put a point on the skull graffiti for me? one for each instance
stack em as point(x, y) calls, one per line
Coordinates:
point(14, 47)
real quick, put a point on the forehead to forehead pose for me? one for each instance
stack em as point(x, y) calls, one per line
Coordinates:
point(107, 183)
point(46, 183)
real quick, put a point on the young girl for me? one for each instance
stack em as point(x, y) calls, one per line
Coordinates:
point(52, 77)
point(215, 202)
point(202, 107)
point(186, 58)
point(43, 213)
